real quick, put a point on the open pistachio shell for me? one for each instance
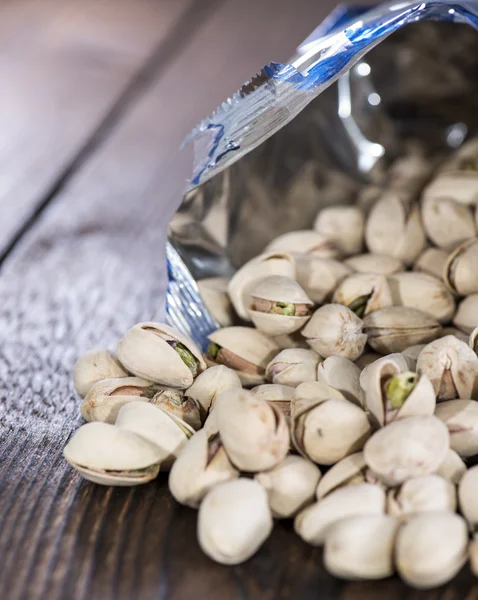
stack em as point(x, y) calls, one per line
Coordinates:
point(108, 455)
point(380, 264)
point(216, 299)
point(466, 316)
point(306, 241)
point(348, 471)
point(293, 366)
point(363, 293)
point(407, 448)
point(452, 468)
point(280, 395)
point(461, 419)
point(160, 353)
point(427, 493)
point(431, 261)
point(96, 365)
point(210, 383)
point(344, 225)
point(311, 393)
point(343, 375)
point(318, 276)
point(467, 495)
point(178, 404)
point(460, 272)
point(401, 361)
point(446, 222)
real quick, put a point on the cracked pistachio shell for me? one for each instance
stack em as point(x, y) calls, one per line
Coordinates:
point(466, 316)
point(293, 366)
point(461, 419)
point(254, 432)
point(379, 264)
point(460, 273)
point(306, 241)
point(277, 288)
point(210, 383)
point(311, 393)
point(312, 523)
point(431, 261)
point(177, 403)
point(407, 448)
point(280, 395)
point(344, 225)
point(318, 276)
point(213, 291)
point(361, 547)
point(395, 229)
point(431, 548)
point(202, 464)
point(401, 361)
point(145, 350)
point(348, 471)
point(93, 366)
point(451, 366)
point(167, 432)
point(334, 330)
point(394, 328)
point(234, 520)
point(366, 359)
point(248, 352)
point(269, 263)
point(330, 430)
point(424, 292)
point(427, 493)
point(290, 485)
point(452, 468)
point(343, 375)
point(467, 495)
point(363, 285)
point(447, 223)
point(108, 455)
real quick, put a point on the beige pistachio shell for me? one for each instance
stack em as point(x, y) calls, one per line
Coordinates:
point(364, 284)
point(400, 360)
point(144, 350)
point(254, 432)
point(409, 173)
point(427, 493)
point(380, 264)
point(424, 292)
point(269, 263)
point(305, 241)
point(407, 448)
point(292, 340)
point(293, 366)
point(210, 383)
point(343, 375)
point(290, 485)
point(395, 229)
point(451, 366)
point(366, 359)
point(344, 225)
point(280, 395)
point(93, 366)
point(234, 520)
point(216, 299)
point(202, 464)
point(318, 276)
point(334, 330)
point(168, 433)
point(178, 404)
point(452, 468)
point(461, 419)
point(447, 223)
point(348, 471)
point(431, 548)
point(108, 455)
point(361, 547)
point(394, 328)
point(311, 393)
point(466, 316)
point(312, 523)
point(431, 261)
point(211, 425)
point(460, 335)
point(413, 352)
point(473, 340)
point(460, 272)
point(468, 495)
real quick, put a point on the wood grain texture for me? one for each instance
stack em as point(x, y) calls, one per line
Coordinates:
point(90, 267)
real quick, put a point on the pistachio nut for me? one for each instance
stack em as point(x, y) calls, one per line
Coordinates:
point(210, 383)
point(363, 293)
point(269, 263)
point(305, 241)
point(407, 448)
point(431, 548)
point(452, 468)
point(178, 404)
point(366, 359)
point(395, 228)
point(460, 272)
point(451, 366)
point(402, 362)
point(108, 455)
point(334, 330)
point(361, 547)
point(254, 432)
point(348, 471)
point(211, 425)
point(243, 349)
point(290, 485)
point(311, 393)
point(466, 316)
point(160, 353)
point(379, 264)
point(431, 261)
point(446, 222)
point(167, 432)
point(312, 523)
point(344, 226)
point(318, 276)
point(293, 366)
point(461, 419)
point(427, 493)
point(343, 375)
point(234, 520)
point(280, 395)
point(394, 328)
point(93, 366)
point(213, 291)
point(413, 352)
point(467, 494)
point(473, 555)
point(202, 464)
point(279, 305)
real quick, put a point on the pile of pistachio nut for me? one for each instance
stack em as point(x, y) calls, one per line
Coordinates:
point(346, 398)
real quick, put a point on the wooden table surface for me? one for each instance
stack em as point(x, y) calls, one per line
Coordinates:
point(96, 98)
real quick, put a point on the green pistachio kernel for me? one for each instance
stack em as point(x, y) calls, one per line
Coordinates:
point(187, 357)
point(359, 305)
point(213, 350)
point(287, 309)
point(399, 387)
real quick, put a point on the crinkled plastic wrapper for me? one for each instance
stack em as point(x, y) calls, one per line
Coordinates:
point(362, 88)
